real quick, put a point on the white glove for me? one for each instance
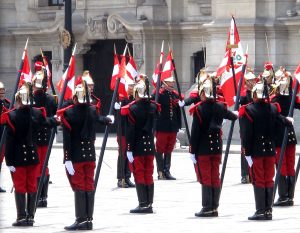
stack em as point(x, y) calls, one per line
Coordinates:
point(234, 99)
point(249, 160)
point(290, 119)
point(69, 167)
point(181, 103)
point(236, 113)
point(193, 158)
point(112, 118)
point(117, 106)
point(11, 168)
point(130, 156)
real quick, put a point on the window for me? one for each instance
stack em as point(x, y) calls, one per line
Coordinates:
point(56, 2)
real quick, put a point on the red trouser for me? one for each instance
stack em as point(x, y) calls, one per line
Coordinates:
point(263, 171)
point(42, 151)
point(165, 142)
point(142, 168)
point(207, 170)
point(288, 162)
point(83, 179)
point(25, 179)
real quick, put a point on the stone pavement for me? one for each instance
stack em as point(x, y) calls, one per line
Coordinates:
point(175, 202)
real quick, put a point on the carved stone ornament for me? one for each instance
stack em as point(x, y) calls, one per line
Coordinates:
point(115, 25)
point(98, 25)
point(65, 38)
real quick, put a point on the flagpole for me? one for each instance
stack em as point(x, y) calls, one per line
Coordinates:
point(52, 136)
point(98, 169)
point(236, 107)
point(159, 72)
point(12, 102)
point(179, 92)
point(285, 138)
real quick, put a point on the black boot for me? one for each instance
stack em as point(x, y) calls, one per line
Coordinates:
point(167, 166)
point(143, 207)
point(269, 202)
point(21, 213)
point(44, 193)
point(129, 183)
point(207, 203)
point(215, 200)
point(80, 212)
point(260, 204)
point(31, 201)
point(150, 194)
point(291, 189)
point(283, 199)
point(160, 165)
point(90, 200)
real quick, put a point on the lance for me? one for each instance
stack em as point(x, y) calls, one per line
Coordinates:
point(119, 135)
point(179, 92)
point(285, 138)
point(236, 106)
point(111, 108)
point(12, 102)
point(52, 135)
point(50, 78)
point(158, 79)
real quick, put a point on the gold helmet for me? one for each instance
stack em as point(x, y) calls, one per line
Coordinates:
point(80, 93)
point(87, 77)
point(23, 94)
point(140, 89)
point(38, 79)
point(259, 89)
point(205, 84)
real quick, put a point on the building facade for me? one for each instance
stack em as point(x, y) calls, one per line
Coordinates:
point(196, 30)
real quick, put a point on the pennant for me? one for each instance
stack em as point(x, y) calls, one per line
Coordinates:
point(26, 74)
point(168, 68)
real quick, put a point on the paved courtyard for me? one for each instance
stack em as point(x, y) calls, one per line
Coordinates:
point(175, 202)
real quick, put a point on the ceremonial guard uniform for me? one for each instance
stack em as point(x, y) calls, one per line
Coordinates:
point(79, 122)
point(246, 99)
point(21, 153)
point(167, 125)
point(43, 99)
point(286, 183)
point(258, 130)
point(140, 145)
point(4, 106)
point(122, 164)
point(206, 144)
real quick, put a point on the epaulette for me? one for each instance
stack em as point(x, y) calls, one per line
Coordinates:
point(43, 110)
point(277, 105)
point(194, 94)
point(176, 93)
point(194, 107)
point(158, 106)
point(125, 109)
point(60, 112)
point(6, 120)
point(7, 100)
point(243, 112)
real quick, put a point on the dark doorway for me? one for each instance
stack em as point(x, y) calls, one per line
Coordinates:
point(199, 62)
point(99, 60)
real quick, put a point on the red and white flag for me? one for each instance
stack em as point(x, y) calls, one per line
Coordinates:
point(168, 68)
point(119, 71)
point(131, 71)
point(297, 78)
point(234, 49)
point(157, 70)
point(26, 74)
point(69, 76)
point(49, 75)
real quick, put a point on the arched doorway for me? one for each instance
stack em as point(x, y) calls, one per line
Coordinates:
point(99, 60)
